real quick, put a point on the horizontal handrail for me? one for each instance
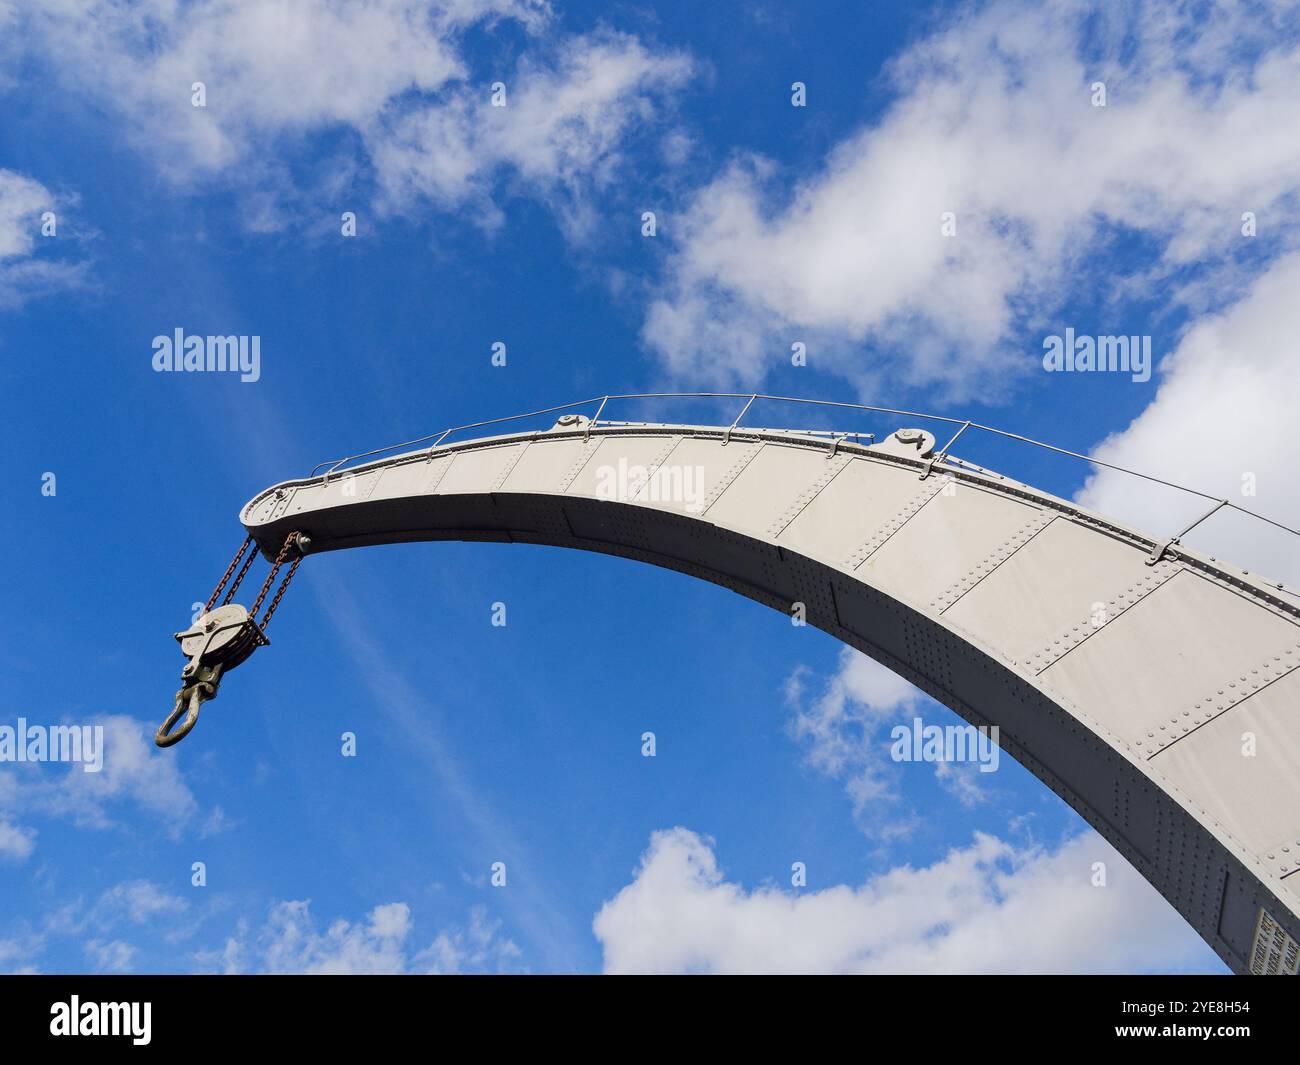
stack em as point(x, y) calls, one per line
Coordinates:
point(964, 425)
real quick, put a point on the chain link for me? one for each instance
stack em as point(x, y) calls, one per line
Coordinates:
point(208, 668)
point(275, 600)
point(289, 541)
point(230, 592)
point(212, 599)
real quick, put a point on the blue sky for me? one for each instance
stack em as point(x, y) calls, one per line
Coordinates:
point(523, 224)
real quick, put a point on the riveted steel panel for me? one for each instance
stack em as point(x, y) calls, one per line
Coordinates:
point(436, 470)
point(304, 498)
point(316, 497)
point(477, 470)
point(1212, 765)
point(543, 465)
point(1065, 640)
point(518, 453)
point(649, 483)
point(735, 459)
point(987, 566)
point(619, 465)
point(396, 482)
point(945, 540)
point(831, 469)
point(927, 489)
point(766, 487)
point(849, 509)
point(589, 448)
point(1051, 584)
point(1231, 690)
point(690, 476)
point(1174, 648)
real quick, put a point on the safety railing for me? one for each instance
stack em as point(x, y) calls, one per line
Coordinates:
point(941, 454)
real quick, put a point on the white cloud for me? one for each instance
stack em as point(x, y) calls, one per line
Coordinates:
point(475, 949)
point(131, 903)
point(113, 956)
point(140, 902)
point(840, 727)
point(391, 75)
point(21, 202)
point(1224, 417)
point(985, 908)
point(562, 129)
point(134, 774)
point(291, 942)
point(843, 732)
point(24, 272)
point(270, 69)
point(963, 781)
point(993, 121)
point(132, 907)
point(18, 954)
point(16, 842)
point(112, 930)
point(134, 917)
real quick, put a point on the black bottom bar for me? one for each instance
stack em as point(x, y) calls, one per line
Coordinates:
point(211, 1013)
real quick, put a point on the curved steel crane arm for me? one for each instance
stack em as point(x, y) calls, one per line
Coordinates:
point(1131, 679)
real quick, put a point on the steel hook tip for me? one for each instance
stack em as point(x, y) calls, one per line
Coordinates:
point(188, 701)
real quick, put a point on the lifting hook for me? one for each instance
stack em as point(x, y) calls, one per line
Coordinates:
point(223, 637)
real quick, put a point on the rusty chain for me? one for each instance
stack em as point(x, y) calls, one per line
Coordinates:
point(275, 599)
point(289, 542)
point(230, 594)
point(204, 674)
point(212, 599)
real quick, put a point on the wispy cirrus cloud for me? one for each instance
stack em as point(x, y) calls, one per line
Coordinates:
point(19, 953)
point(843, 723)
point(131, 903)
point(16, 841)
point(537, 914)
point(290, 941)
point(115, 928)
point(136, 780)
point(122, 929)
point(839, 727)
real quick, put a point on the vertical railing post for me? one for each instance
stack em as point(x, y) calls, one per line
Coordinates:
point(1158, 552)
point(942, 453)
point(434, 446)
point(587, 435)
point(726, 437)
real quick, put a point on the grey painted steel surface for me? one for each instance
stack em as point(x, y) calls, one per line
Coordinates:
point(1126, 686)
